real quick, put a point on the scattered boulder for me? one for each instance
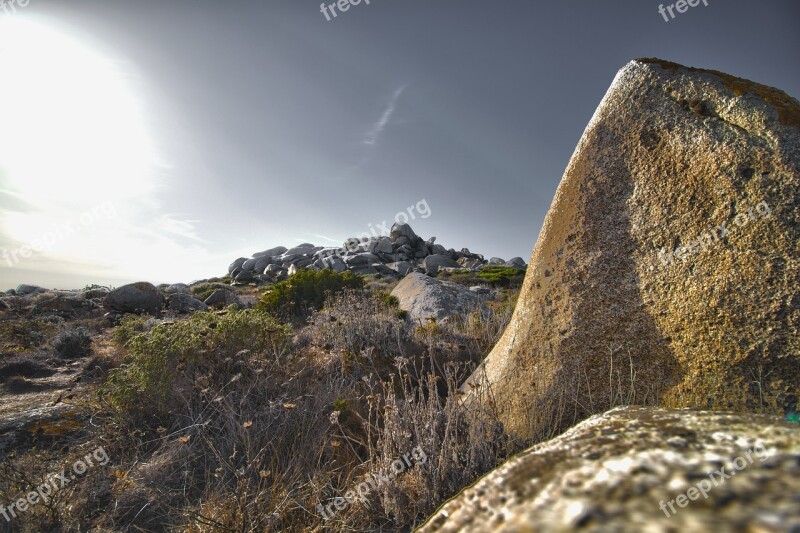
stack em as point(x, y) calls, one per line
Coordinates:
point(403, 230)
point(642, 469)
point(425, 298)
point(223, 298)
point(140, 297)
point(178, 288)
point(611, 291)
point(95, 293)
point(299, 250)
point(361, 259)
point(236, 265)
point(433, 263)
point(401, 267)
point(65, 305)
point(272, 252)
point(516, 262)
point(274, 269)
point(185, 303)
point(24, 290)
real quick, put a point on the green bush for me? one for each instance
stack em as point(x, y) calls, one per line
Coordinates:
point(305, 292)
point(502, 276)
point(130, 326)
point(143, 384)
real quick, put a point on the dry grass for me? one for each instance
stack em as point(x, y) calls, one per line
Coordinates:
point(254, 432)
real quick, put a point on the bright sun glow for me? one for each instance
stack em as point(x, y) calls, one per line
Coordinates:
point(70, 126)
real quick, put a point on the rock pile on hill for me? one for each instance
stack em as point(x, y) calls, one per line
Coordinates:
point(666, 270)
point(395, 255)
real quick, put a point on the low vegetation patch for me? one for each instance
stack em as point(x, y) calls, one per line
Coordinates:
point(295, 299)
point(236, 421)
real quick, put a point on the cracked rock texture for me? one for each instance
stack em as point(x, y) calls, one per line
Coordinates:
point(667, 268)
point(613, 471)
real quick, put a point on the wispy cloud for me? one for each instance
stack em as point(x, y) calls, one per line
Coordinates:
point(377, 128)
point(183, 228)
point(323, 237)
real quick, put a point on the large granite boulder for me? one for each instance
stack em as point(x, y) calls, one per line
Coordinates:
point(667, 265)
point(642, 469)
point(140, 297)
point(427, 298)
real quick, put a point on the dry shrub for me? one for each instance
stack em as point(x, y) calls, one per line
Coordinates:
point(243, 432)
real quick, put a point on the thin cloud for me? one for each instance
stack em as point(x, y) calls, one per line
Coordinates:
point(183, 228)
point(380, 125)
point(323, 237)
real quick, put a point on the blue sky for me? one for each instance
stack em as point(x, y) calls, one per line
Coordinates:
point(161, 140)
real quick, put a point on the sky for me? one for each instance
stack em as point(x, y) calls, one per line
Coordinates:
point(160, 140)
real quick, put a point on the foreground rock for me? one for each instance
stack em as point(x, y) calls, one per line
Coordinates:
point(627, 469)
point(668, 263)
point(140, 297)
point(425, 298)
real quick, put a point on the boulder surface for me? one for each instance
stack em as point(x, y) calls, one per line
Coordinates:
point(425, 298)
point(666, 270)
point(629, 469)
point(140, 297)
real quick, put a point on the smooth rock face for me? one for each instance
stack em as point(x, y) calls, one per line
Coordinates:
point(671, 155)
point(613, 471)
point(425, 297)
point(141, 297)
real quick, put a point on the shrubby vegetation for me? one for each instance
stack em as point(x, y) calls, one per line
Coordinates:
point(246, 420)
point(73, 343)
point(305, 292)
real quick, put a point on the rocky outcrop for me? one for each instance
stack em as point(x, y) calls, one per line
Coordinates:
point(642, 469)
point(140, 297)
point(667, 265)
point(426, 298)
point(395, 255)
